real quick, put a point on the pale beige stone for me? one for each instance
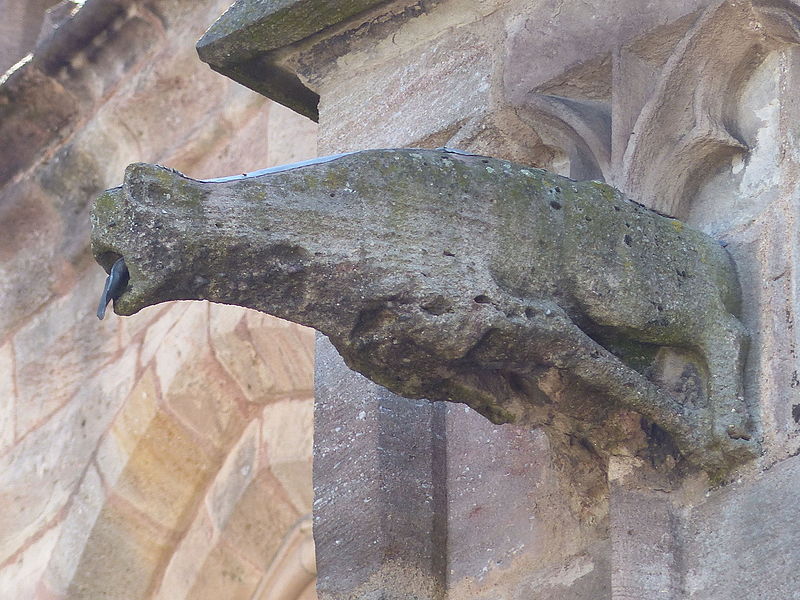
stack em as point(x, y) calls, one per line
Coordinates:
point(392, 96)
point(8, 397)
point(165, 470)
point(142, 95)
point(178, 347)
point(43, 469)
point(234, 477)
point(148, 322)
point(209, 155)
point(262, 517)
point(287, 349)
point(158, 330)
point(19, 578)
point(743, 538)
point(289, 448)
point(234, 348)
point(293, 569)
point(205, 399)
point(225, 575)
point(129, 426)
point(290, 137)
point(122, 556)
point(188, 558)
point(77, 345)
point(260, 368)
point(27, 255)
point(83, 513)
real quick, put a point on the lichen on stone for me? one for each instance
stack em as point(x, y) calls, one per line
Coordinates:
point(462, 278)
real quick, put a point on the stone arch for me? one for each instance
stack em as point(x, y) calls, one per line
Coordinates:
point(198, 480)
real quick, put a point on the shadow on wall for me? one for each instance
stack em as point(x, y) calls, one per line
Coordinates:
point(23, 23)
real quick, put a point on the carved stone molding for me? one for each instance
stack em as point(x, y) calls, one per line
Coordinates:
point(656, 115)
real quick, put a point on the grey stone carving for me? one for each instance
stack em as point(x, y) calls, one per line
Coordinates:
point(528, 296)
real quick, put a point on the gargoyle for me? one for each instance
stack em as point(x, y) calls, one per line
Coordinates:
point(438, 274)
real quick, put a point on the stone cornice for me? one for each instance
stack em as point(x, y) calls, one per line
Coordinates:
point(244, 42)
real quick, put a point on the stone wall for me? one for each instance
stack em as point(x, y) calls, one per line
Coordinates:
point(167, 455)
point(688, 107)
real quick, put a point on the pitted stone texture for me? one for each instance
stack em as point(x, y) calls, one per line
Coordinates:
point(645, 543)
point(585, 86)
point(574, 284)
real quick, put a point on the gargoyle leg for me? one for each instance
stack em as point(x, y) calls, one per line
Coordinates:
point(597, 368)
point(726, 421)
point(554, 339)
point(725, 347)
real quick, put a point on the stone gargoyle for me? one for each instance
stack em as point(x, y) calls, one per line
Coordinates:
point(439, 274)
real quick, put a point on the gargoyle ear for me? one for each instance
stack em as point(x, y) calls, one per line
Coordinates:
point(136, 175)
point(143, 180)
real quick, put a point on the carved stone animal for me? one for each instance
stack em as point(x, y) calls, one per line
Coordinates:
point(531, 297)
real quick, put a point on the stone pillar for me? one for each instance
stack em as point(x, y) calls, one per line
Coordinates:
point(379, 495)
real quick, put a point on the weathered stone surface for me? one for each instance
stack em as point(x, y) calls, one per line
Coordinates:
point(120, 556)
point(608, 74)
point(264, 514)
point(225, 574)
point(250, 27)
point(645, 537)
point(743, 538)
point(20, 574)
point(520, 510)
point(238, 44)
point(572, 283)
point(42, 469)
point(289, 448)
point(188, 557)
point(49, 381)
point(75, 532)
point(385, 99)
point(234, 347)
point(709, 89)
point(382, 457)
point(207, 402)
point(177, 348)
point(293, 572)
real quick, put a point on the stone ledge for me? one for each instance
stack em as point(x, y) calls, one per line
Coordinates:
point(241, 43)
point(36, 107)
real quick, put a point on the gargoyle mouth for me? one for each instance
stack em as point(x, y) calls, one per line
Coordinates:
point(116, 282)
